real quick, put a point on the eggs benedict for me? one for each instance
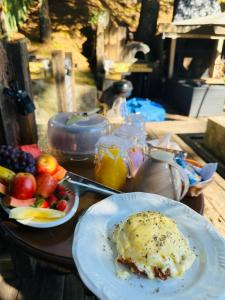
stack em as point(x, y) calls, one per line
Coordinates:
point(151, 244)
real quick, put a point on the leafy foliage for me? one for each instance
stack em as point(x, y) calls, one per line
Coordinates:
point(15, 12)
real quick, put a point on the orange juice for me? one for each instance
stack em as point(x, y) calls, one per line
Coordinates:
point(111, 162)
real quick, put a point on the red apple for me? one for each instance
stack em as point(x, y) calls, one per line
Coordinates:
point(23, 186)
point(46, 163)
point(46, 184)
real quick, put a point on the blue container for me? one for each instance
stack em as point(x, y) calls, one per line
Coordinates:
point(151, 111)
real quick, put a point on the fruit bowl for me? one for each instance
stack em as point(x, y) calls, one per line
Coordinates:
point(73, 204)
point(32, 189)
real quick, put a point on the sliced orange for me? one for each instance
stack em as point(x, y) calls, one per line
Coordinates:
point(60, 173)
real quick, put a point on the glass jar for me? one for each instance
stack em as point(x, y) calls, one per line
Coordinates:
point(137, 140)
point(135, 120)
point(112, 161)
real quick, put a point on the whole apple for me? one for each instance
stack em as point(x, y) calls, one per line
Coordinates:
point(46, 184)
point(23, 186)
point(46, 163)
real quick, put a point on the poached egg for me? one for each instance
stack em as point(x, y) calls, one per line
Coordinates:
point(151, 244)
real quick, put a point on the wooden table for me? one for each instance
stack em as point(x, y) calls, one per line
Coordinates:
point(54, 245)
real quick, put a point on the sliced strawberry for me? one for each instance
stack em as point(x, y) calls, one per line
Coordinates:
point(61, 205)
point(45, 204)
point(61, 194)
point(52, 201)
point(60, 188)
point(41, 202)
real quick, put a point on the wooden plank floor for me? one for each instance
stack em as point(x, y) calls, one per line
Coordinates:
point(44, 284)
point(215, 193)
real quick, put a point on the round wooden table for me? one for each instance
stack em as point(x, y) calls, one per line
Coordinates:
point(54, 245)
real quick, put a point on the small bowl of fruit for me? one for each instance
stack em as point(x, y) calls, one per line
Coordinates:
point(32, 189)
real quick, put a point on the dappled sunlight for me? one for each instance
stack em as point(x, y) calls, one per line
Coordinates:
point(8, 292)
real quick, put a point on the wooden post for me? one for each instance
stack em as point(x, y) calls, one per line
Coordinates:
point(59, 73)
point(122, 34)
point(103, 21)
point(45, 21)
point(69, 82)
point(15, 128)
point(113, 44)
point(216, 60)
point(19, 63)
point(9, 128)
point(172, 57)
point(100, 49)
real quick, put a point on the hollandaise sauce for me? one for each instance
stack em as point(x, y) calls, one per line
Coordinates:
point(151, 244)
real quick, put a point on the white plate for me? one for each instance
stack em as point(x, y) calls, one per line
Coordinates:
point(94, 253)
point(73, 204)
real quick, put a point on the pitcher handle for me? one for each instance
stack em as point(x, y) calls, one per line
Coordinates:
point(184, 179)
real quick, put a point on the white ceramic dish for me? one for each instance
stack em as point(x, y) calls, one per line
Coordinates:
point(95, 259)
point(73, 204)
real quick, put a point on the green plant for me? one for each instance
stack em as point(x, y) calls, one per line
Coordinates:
point(96, 14)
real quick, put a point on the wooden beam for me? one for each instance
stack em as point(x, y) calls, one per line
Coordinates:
point(19, 63)
point(69, 82)
point(172, 35)
point(172, 57)
point(9, 129)
point(102, 24)
point(59, 74)
point(217, 58)
point(219, 30)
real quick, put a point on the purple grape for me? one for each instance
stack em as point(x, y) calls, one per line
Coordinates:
point(16, 160)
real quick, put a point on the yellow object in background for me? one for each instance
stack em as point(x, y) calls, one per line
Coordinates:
point(6, 174)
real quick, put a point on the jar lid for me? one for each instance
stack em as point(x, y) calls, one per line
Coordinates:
point(112, 141)
point(85, 120)
point(129, 131)
point(136, 120)
point(78, 121)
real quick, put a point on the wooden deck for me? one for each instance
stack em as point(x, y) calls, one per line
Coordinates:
point(42, 283)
